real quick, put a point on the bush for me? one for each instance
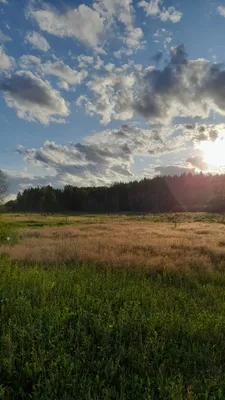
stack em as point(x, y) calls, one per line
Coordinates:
point(7, 234)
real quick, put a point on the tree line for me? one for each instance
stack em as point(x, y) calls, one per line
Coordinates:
point(188, 192)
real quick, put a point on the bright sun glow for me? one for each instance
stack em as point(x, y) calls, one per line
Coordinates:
point(214, 152)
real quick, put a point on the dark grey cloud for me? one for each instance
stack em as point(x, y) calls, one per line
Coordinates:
point(33, 98)
point(171, 170)
point(183, 88)
point(157, 57)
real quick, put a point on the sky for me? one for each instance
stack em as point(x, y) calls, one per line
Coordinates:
point(104, 91)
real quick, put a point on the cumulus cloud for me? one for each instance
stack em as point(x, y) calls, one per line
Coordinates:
point(91, 25)
point(153, 8)
point(81, 164)
point(104, 157)
point(33, 98)
point(63, 71)
point(170, 14)
point(82, 23)
point(183, 88)
point(221, 10)
point(37, 41)
point(18, 181)
point(4, 1)
point(6, 62)
point(204, 132)
point(154, 141)
point(85, 61)
point(68, 76)
point(4, 38)
point(113, 96)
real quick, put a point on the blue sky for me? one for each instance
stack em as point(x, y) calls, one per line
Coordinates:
point(97, 92)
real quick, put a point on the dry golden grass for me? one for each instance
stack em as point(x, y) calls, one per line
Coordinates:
point(125, 244)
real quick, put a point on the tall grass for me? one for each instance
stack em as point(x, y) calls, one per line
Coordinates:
point(8, 235)
point(83, 332)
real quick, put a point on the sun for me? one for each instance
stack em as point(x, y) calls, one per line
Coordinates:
point(214, 152)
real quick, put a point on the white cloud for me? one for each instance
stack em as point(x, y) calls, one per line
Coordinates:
point(113, 96)
point(64, 85)
point(133, 39)
point(91, 25)
point(85, 61)
point(57, 68)
point(33, 98)
point(82, 23)
point(152, 8)
point(37, 41)
point(221, 10)
point(4, 1)
point(164, 36)
point(123, 51)
point(116, 9)
point(6, 62)
point(27, 61)
point(4, 38)
point(170, 14)
point(63, 71)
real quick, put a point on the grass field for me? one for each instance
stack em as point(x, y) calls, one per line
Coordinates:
point(112, 307)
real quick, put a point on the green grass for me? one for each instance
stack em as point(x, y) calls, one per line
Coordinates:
point(31, 220)
point(7, 234)
point(85, 332)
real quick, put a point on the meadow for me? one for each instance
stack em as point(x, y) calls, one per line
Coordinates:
point(112, 307)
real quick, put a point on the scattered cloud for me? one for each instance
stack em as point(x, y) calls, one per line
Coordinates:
point(4, 38)
point(163, 36)
point(221, 10)
point(91, 25)
point(85, 61)
point(4, 1)
point(37, 41)
point(6, 62)
point(170, 14)
point(183, 88)
point(33, 98)
point(153, 8)
point(203, 132)
point(82, 23)
point(155, 141)
point(80, 164)
point(66, 74)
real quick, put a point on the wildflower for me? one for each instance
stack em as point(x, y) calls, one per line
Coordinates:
point(8, 238)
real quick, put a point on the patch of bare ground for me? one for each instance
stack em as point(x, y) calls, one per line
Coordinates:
point(125, 244)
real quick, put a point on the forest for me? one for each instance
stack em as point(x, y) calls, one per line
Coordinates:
point(188, 192)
